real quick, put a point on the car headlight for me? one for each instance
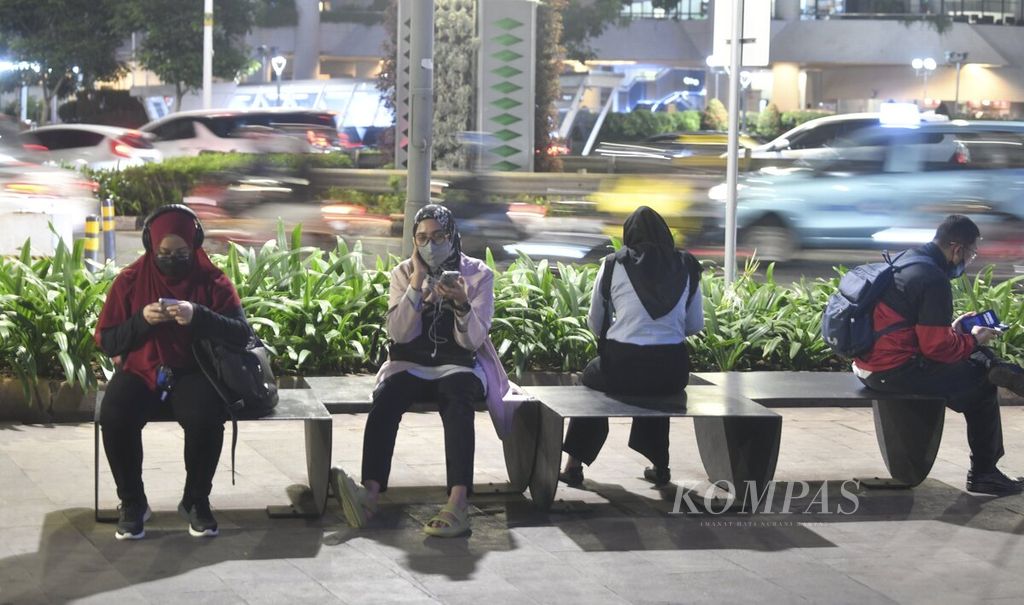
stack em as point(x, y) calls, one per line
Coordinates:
point(719, 192)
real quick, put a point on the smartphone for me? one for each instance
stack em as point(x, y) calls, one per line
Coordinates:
point(988, 319)
point(167, 302)
point(450, 278)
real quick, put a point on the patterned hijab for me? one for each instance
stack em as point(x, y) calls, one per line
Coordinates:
point(446, 219)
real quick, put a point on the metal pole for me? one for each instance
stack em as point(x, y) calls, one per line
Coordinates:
point(421, 102)
point(207, 54)
point(109, 236)
point(956, 99)
point(24, 102)
point(731, 167)
point(92, 241)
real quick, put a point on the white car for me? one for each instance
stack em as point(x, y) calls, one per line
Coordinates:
point(32, 197)
point(88, 145)
point(815, 139)
point(246, 131)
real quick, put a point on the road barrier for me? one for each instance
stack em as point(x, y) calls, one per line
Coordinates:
point(92, 240)
point(109, 235)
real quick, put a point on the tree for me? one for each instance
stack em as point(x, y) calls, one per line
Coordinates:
point(172, 46)
point(455, 47)
point(769, 123)
point(74, 42)
point(714, 116)
point(549, 66)
point(583, 20)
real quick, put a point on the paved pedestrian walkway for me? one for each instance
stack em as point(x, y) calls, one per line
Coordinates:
point(615, 541)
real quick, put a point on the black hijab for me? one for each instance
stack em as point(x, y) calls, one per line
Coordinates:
point(652, 263)
point(445, 217)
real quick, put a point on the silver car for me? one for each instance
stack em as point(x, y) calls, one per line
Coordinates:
point(889, 187)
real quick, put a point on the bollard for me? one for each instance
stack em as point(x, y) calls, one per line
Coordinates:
point(109, 236)
point(92, 241)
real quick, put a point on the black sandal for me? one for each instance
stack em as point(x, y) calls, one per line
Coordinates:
point(573, 477)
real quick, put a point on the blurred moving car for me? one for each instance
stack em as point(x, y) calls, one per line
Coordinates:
point(33, 196)
point(246, 131)
point(814, 139)
point(889, 187)
point(93, 146)
point(562, 247)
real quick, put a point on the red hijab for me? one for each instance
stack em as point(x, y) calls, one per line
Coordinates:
point(142, 283)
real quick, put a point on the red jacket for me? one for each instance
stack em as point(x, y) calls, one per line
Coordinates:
point(920, 294)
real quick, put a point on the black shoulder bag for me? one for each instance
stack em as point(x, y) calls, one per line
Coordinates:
point(242, 377)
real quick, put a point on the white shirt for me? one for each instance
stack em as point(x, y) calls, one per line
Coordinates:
point(630, 321)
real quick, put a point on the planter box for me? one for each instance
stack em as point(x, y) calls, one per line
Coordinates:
point(127, 223)
point(59, 402)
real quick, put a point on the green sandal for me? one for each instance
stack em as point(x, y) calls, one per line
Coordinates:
point(456, 523)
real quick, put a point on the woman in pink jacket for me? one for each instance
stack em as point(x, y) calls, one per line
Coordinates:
point(440, 308)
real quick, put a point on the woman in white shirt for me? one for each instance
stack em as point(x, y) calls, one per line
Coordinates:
point(654, 303)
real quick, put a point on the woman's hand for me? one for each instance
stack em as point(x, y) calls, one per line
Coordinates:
point(154, 314)
point(419, 271)
point(457, 293)
point(181, 312)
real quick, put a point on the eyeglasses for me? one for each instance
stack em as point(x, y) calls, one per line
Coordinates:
point(969, 253)
point(438, 237)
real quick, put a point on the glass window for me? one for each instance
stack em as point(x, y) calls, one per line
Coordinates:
point(175, 130)
point(67, 139)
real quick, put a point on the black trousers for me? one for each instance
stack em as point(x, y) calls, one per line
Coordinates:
point(630, 370)
point(967, 390)
point(455, 395)
point(129, 404)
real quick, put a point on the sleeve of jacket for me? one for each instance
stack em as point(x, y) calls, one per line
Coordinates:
point(935, 335)
point(229, 327)
point(404, 322)
point(694, 314)
point(124, 337)
point(473, 327)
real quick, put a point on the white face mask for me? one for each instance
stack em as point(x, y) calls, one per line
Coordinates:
point(435, 254)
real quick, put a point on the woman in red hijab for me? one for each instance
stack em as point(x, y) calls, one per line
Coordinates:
point(155, 308)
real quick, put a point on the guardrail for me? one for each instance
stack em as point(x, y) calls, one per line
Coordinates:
point(504, 183)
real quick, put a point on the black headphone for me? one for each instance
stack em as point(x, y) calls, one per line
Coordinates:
point(147, 241)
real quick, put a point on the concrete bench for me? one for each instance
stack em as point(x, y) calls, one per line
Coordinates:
point(738, 439)
point(294, 404)
point(908, 427)
point(352, 394)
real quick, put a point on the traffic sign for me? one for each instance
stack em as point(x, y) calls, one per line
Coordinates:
point(757, 32)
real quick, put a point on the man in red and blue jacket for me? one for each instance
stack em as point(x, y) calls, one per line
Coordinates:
point(932, 356)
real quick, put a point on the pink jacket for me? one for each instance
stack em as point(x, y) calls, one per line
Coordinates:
point(404, 324)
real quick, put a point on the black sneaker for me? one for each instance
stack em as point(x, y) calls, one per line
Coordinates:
point(200, 518)
point(132, 519)
point(573, 477)
point(1007, 375)
point(994, 483)
point(658, 475)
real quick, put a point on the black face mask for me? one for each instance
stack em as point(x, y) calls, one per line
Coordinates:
point(174, 265)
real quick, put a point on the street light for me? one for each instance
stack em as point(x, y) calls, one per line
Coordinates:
point(924, 68)
point(278, 63)
point(956, 58)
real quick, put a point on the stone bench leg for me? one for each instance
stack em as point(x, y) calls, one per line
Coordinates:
point(544, 480)
point(520, 447)
point(739, 450)
point(909, 433)
point(319, 433)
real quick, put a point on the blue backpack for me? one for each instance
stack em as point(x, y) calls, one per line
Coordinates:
point(847, 325)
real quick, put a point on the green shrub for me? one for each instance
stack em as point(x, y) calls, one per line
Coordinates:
point(792, 119)
point(769, 122)
point(138, 190)
point(714, 116)
point(324, 313)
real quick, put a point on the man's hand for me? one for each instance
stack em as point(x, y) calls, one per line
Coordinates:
point(984, 335)
point(956, 322)
point(154, 314)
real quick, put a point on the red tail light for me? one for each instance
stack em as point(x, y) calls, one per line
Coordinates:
point(27, 189)
point(34, 147)
point(120, 148)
